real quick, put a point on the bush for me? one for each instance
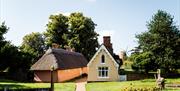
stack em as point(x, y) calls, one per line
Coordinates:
point(122, 72)
point(141, 89)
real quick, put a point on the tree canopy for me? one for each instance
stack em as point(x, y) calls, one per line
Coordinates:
point(75, 31)
point(33, 44)
point(57, 30)
point(6, 49)
point(160, 45)
point(13, 61)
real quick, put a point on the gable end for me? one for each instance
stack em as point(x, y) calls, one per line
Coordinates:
point(99, 50)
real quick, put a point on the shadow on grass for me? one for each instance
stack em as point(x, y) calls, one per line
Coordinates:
point(17, 87)
point(7, 81)
point(12, 86)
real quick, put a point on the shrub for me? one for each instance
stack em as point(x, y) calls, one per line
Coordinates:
point(141, 89)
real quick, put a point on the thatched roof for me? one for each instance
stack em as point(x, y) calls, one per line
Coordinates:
point(60, 59)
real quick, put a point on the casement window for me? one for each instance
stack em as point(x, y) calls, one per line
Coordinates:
point(103, 72)
point(102, 59)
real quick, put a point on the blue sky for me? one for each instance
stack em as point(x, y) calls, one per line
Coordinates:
point(121, 19)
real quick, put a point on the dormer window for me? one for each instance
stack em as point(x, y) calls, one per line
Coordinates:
point(102, 59)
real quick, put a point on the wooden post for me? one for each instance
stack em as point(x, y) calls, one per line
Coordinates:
point(159, 73)
point(52, 81)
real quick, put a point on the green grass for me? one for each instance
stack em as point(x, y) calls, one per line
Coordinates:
point(95, 86)
point(57, 86)
point(118, 86)
point(173, 80)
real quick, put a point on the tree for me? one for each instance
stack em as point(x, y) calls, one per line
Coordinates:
point(57, 30)
point(33, 44)
point(144, 61)
point(3, 30)
point(12, 60)
point(82, 35)
point(76, 31)
point(160, 45)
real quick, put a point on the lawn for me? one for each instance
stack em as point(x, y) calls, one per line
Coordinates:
point(17, 85)
point(95, 86)
point(119, 86)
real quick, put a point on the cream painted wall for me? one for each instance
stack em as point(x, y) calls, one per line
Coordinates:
point(93, 68)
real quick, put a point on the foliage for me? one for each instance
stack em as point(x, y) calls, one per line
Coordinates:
point(7, 51)
point(3, 30)
point(76, 31)
point(145, 61)
point(127, 65)
point(57, 30)
point(8, 55)
point(141, 89)
point(160, 45)
point(12, 60)
point(82, 35)
point(33, 44)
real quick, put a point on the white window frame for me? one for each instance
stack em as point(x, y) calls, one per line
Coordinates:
point(102, 70)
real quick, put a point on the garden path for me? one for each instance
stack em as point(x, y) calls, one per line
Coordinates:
point(81, 83)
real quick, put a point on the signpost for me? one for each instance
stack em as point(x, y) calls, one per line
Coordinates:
point(160, 80)
point(52, 81)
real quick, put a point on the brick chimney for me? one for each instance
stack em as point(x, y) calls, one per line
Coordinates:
point(107, 43)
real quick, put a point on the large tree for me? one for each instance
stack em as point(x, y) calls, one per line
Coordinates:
point(160, 45)
point(12, 60)
point(82, 35)
point(57, 30)
point(33, 44)
point(3, 47)
point(76, 31)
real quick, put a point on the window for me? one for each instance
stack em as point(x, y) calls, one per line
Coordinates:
point(103, 72)
point(102, 59)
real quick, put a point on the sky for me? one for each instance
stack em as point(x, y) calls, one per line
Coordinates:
point(120, 19)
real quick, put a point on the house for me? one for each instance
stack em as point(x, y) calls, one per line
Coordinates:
point(104, 65)
point(67, 65)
